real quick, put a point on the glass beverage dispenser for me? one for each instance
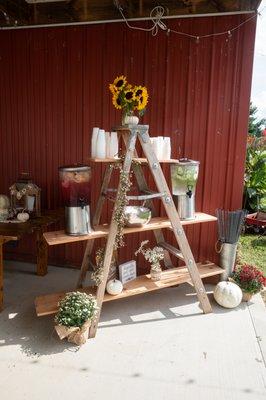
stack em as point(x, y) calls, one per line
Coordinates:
point(76, 191)
point(184, 176)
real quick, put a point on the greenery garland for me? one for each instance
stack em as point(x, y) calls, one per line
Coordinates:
point(97, 274)
point(121, 203)
point(120, 219)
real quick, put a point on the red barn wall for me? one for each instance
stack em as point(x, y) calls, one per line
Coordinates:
point(54, 89)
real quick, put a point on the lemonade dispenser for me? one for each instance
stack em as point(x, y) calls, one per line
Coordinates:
point(184, 176)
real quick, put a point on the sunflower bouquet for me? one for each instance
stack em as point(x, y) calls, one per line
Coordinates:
point(128, 98)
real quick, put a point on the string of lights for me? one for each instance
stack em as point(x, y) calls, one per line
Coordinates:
point(158, 13)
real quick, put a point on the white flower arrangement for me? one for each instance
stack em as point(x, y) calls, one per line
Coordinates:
point(75, 309)
point(153, 256)
point(76, 312)
point(20, 193)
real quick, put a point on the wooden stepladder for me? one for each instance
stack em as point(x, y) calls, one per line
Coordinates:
point(141, 132)
point(147, 195)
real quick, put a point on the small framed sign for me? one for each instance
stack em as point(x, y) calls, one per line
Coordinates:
point(127, 271)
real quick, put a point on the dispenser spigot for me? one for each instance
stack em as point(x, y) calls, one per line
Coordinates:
point(189, 193)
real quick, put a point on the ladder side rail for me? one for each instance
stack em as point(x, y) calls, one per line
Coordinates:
point(173, 217)
point(96, 220)
point(143, 187)
point(111, 236)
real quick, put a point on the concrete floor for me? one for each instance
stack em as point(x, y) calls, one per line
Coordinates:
point(155, 346)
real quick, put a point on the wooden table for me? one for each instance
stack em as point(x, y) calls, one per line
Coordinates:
point(14, 231)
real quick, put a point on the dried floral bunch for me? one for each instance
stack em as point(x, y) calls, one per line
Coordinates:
point(97, 274)
point(249, 278)
point(127, 97)
point(153, 256)
point(121, 203)
point(28, 189)
point(75, 309)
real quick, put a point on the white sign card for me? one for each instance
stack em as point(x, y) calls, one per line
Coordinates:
point(127, 271)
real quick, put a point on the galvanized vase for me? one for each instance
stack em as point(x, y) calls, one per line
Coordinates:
point(227, 259)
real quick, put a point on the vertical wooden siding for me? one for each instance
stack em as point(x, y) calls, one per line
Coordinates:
point(54, 89)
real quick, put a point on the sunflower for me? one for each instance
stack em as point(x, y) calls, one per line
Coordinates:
point(142, 101)
point(129, 95)
point(117, 101)
point(113, 88)
point(120, 82)
point(140, 91)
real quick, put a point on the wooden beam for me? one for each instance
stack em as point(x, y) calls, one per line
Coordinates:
point(66, 12)
point(17, 11)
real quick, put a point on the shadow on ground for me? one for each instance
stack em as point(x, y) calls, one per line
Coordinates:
point(36, 336)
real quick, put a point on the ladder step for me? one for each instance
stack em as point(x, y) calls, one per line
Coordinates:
point(93, 267)
point(148, 196)
point(109, 194)
point(177, 253)
point(151, 192)
point(113, 190)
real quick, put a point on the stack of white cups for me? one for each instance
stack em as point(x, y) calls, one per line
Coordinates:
point(162, 147)
point(113, 149)
point(167, 148)
point(104, 144)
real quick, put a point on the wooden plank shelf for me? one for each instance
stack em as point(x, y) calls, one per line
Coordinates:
point(101, 231)
point(48, 304)
point(139, 160)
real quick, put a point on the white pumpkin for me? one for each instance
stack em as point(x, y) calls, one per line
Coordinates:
point(114, 287)
point(228, 294)
point(4, 201)
point(3, 214)
point(131, 120)
point(23, 216)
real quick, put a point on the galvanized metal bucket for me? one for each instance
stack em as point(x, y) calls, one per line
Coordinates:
point(227, 259)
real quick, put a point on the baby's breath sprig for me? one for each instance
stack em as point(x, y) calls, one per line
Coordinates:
point(153, 256)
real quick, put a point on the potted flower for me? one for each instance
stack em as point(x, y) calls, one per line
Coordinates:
point(153, 256)
point(250, 279)
point(128, 98)
point(76, 311)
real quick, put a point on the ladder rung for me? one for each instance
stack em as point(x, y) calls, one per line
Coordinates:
point(177, 253)
point(151, 192)
point(105, 193)
point(93, 267)
point(114, 190)
point(111, 190)
point(146, 196)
